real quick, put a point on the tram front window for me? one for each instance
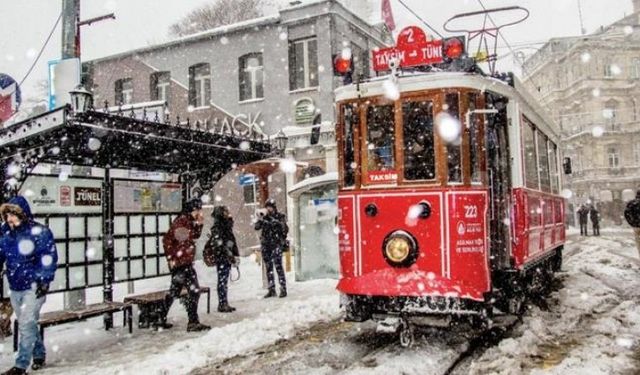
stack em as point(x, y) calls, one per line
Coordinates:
point(419, 151)
point(380, 140)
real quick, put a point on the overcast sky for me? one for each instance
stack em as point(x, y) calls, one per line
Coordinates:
point(26, 24)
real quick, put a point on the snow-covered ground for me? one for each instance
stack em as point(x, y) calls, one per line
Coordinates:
point(592, 324)
point(589, 325)
point(85, 348)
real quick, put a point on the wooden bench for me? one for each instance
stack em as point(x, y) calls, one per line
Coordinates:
point(54, 318)
point(150, 304)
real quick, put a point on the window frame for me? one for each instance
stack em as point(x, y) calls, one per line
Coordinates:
point(199, 81)
point(613, 157)
point(160, 90)
point(307, 83)
point(249, 77)
point(364, 150)
point(528, 124)
point(122, 96)
point(341, 143)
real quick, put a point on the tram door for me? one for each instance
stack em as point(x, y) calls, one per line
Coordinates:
point(499, 173)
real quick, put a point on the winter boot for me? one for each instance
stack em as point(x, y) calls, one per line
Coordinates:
point(197, 327)
point(162, 325)
point(15, 371)
point(37, 364)
point(226, 308)
point(283, 293)
point(272, 293)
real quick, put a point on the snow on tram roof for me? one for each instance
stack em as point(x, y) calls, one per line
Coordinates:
point(418, 81)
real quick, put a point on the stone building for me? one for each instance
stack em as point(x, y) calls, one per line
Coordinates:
point(591, 86)
point(269, 74)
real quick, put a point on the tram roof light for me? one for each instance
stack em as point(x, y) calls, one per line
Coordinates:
point(453, 48)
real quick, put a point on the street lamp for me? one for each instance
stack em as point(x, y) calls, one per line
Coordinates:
point(280, 142)
point(81, 99)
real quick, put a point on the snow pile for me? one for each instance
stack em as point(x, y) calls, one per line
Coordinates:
point(233, 339)
point(592, 325)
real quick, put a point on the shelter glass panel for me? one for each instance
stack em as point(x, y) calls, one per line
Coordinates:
point(135, 247)
point(150, 223)
point(135, 224)
point(62, 253)
point(58, 227)
point(94, 252)
point(150, 246)
point(136, 269)
point(60, 280)
point(120, 225)
point(120, 248)
point(151, 267)
point(164, 267)
point(95, 274)
point(94, 226)
point(120, 271)
point(418, 140)
point(165, 222)
point(77, 252)
point(380, 141)
point(77, 277)
point(76, 227)
point(454, 152)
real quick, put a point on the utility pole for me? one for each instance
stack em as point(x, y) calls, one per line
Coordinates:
point(70, 29)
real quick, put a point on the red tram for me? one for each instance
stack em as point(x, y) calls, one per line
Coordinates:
point(449, 195)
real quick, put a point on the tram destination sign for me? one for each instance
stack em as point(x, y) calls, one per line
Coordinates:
point(412, 49)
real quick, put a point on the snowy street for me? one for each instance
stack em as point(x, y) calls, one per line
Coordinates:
point(589, 325)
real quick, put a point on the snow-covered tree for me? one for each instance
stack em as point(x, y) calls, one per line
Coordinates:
point(219, 13)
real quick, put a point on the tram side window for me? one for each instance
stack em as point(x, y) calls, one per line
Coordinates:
point(349, 164)
point(380, 138)
point(454, 159)
point(553, 158)
point(543, 162)
point(419, 151)
point(530, 157)
point(474, 139)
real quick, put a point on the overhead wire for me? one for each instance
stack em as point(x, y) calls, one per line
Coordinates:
point(420, 18)
point(35, 61)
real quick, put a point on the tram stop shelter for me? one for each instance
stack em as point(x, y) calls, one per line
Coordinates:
point(98, 139)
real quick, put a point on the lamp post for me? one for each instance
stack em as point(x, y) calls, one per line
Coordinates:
point(280, 143)
point(81, 99)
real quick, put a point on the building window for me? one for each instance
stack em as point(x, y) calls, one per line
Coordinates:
point(249, 193)
point(160, 83)
point(636, 153)
point(251, 73)
point(360, 58)
point(635, 68)
point(124, 91)
point(614, 157)
point(303, 64)
point(199, 85)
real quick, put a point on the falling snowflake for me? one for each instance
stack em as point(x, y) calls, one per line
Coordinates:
point(391, 90)
point(63, 176)
point(26, 246)
point(91, 253)
point(628, 30)
point(218, 198)
point(47, 260)
point(597, 131)
point(585, 57)
point(283, 36)
point(448, 127)
point(244, 145)
point(205, 198)
point(94, 144)
point(288, 166)
point(224, 40)
point(595, 92)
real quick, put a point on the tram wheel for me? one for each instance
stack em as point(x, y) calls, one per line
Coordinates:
point(407, 335)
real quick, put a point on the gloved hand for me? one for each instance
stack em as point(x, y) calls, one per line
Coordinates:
point(41, 290)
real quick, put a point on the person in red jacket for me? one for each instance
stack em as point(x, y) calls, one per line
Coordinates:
point(180, 249)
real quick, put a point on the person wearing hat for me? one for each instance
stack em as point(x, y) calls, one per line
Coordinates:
point(632, 215)
point(28, 250)
point(180, 248)
point(273, 225)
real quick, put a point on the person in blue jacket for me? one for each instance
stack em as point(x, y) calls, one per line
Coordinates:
point(28, 250)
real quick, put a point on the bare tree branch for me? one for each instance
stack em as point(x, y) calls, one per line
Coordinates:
point(220, 13)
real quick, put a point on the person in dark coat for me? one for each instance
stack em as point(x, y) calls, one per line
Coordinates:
point(594, 215)
point(226, 253)
point(583, 219)
point(272, 240)
point(632, 215)
point(28, 250)
point(180, 249)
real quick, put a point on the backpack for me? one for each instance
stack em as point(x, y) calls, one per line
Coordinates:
point(632, 213)
point(209, 255)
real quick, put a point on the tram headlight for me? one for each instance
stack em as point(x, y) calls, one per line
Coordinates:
point(400, 249)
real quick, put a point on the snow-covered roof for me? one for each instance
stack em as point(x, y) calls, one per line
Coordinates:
point(312, 183)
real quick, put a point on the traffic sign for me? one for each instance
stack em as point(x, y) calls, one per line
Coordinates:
point(10, 97)
point(412, 49)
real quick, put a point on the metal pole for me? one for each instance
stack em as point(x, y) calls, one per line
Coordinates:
point(107, 241)
point(70, 34)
